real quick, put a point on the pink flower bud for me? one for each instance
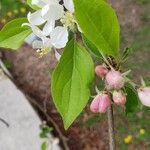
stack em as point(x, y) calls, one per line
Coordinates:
point(101, 71)
point(100, 103)
point(144, 96)
point(94, 107)
point(119, 98)
point(114, 80)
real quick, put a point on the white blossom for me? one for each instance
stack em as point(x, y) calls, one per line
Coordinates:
point(43, 24)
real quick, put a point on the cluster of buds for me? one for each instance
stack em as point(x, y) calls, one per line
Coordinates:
point(114, 82)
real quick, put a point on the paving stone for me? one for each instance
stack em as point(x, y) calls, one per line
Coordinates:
point(16, 111)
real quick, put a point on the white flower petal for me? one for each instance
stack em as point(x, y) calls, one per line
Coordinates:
point(47, 43)
point(37, 44)
point(53, 11)
point(38, 3)
point(57, 55)
point(35, 18)
point(50, 1)
point(59, 37)
point(29, 40)
point(69, 5)
point(35, 30)
point(144, 95)
point(48, 27)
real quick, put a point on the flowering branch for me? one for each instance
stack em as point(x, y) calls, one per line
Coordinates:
point(54, 24)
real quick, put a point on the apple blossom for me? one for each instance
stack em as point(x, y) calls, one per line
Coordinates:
point(119, 98)
point(101, 71)
point(101, 103)
point(114, 80)
point(51, 35)
point(144, 96)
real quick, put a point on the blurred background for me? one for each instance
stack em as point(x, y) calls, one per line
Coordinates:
point(89, 132)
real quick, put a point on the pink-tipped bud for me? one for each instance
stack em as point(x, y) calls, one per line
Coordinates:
point(114, 80)
point(144, 96)
point(101, 103)
point(101, 71)
point(119, 98)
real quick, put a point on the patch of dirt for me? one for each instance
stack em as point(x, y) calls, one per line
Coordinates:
point(129, 14)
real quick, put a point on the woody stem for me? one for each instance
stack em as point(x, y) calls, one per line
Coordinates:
point(112, 144)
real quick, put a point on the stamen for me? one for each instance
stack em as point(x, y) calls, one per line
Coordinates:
point(43, 51)
point(68, 20)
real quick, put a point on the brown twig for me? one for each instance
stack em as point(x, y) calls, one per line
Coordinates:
point(112, 143)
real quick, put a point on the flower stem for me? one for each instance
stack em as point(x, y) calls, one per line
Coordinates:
point(112, 143)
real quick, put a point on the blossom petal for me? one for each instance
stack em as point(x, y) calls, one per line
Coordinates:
point(35, 30)
point(50, 1)
point(69, 5)
point(59, 37)
point(35, 18)
point(144, 95)
point(53, 11)
point(57, 55)
point(48, 27)
point(47, 42)
point(29, 40)
point(38, 3)
point(37, 44)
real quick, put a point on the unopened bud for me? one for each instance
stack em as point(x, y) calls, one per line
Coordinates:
point(101, 71)
point(144, 96)
point(114, 80)
point(101, 103)
point(119, 98)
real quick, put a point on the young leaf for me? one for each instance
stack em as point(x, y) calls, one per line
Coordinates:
point(71, 82)
point(13, 34)
point(132, 99)
point(99, 24)
point(91, 47)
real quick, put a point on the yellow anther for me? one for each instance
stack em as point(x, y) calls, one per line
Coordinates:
point(43, 51)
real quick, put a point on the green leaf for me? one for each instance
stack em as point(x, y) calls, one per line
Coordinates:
point(99, 24)
point(13, 34)
point(44, 146)
point(29, 2)
point(91, 47)
point(132, 99)
point(71, 81)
